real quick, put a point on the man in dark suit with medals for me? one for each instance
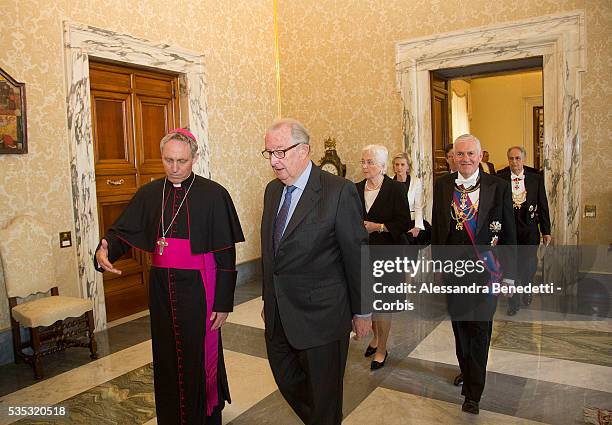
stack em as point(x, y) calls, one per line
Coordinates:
point(311, 236)
point(531, 217)
point(474, 210)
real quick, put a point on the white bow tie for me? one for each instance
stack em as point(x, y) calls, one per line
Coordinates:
point(467, 183)
point(514, 177)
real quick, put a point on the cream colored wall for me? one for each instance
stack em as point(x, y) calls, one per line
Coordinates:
point(498, 109)
point(338, 75)
point(237, 40)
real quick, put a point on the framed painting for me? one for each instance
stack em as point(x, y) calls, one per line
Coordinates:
point(13, 128)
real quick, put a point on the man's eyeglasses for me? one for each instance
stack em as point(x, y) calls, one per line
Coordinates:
point(279, 153)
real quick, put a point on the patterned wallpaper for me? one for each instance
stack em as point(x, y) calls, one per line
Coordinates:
point(337, 76)
point(237, 41)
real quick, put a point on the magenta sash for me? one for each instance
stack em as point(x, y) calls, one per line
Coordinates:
point(177, 255)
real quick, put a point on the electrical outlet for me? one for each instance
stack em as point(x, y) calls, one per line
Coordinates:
point(65, 239)
point(590, 211)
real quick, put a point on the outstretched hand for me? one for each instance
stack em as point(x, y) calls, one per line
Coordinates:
point(102, 258)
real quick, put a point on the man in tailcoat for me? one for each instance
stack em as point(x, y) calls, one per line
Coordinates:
point(472, 209)
point(531, 216)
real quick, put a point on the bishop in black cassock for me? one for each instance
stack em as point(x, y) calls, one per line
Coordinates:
point(200, 213)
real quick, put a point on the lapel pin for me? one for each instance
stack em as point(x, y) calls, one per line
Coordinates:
point(495, 226)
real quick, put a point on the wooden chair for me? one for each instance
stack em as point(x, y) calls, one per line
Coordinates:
point(55, 322)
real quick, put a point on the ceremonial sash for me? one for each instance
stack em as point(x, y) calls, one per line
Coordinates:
point(177, 255)
point(471, 223)
point(488, 257)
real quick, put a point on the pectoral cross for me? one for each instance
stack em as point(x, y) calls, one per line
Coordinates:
point(161, 242)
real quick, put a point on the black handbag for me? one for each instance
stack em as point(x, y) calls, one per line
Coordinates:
point(424, 237)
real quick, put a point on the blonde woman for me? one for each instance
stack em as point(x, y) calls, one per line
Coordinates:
point(414, 191)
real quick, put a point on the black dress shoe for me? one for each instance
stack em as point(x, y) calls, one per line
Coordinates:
point(458, 380)
point(470, 406)
point(369, 351)
point(527, 298)
point(377, 365)
point(513, 309)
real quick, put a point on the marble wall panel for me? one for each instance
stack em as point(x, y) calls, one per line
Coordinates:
point(560, 40)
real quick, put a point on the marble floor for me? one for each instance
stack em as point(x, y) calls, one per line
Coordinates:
point(544, 368)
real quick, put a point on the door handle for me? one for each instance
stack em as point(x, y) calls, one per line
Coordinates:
point(115, 182)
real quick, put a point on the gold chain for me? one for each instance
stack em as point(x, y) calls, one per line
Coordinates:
point(464, 212)
point(518, 197)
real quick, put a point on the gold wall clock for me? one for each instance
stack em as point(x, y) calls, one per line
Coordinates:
point(331, 161)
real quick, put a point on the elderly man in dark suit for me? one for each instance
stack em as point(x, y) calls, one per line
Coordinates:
point(473, 209)
point(531, 217)
point(311, 236)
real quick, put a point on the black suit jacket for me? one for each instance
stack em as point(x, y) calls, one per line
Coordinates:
point(315, 278)
point(494, 205)
point(390, 208)
point(533, 217)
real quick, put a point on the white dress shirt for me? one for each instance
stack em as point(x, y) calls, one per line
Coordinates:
point(518, 187)
point(369, 197)
point(469, 182)
point(299, 184)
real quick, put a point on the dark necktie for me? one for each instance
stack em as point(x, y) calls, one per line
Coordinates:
point(281, 218)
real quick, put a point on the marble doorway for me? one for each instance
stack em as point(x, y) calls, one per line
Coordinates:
point(560, 41)
point(81, 43)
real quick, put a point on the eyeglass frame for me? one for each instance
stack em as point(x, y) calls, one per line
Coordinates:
point(369, 163)
point(274, 152)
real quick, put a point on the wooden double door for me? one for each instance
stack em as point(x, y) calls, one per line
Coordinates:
point(132, 110)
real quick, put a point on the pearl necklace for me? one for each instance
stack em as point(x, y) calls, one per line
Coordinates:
point(375, 187)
